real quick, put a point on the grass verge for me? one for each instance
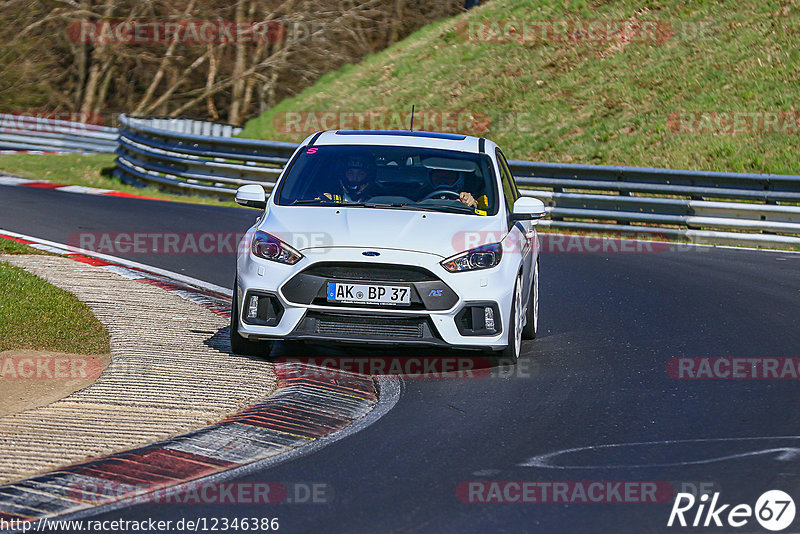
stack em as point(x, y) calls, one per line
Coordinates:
point(38, 315)
point(12, 247)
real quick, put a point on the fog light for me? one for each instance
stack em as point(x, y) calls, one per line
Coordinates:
point(252, 308)
point(488, 318)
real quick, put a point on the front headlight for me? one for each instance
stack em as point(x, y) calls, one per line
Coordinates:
point(483, 257)
point(271, 248)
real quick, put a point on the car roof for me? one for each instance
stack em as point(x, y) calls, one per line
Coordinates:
point(421, 139)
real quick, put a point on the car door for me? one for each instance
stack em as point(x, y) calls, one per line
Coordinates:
point(522, 233)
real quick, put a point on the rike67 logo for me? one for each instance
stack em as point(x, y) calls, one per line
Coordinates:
point(774, 510)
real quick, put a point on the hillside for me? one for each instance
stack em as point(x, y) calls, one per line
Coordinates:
point(680, 84)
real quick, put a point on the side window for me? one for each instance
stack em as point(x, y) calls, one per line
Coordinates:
point(510, 191)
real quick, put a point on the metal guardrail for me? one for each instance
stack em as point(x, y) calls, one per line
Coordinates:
point(195, 156)
point(20, 132)
point(702, 207)
point(698, 206)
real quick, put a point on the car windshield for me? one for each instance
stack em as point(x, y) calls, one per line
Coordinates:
point(391, 177)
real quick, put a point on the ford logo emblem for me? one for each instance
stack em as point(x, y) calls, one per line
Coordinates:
point(371, 253)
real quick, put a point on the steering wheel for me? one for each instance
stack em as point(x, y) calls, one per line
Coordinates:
point(445, 194)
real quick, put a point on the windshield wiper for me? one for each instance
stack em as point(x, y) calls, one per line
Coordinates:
point(382, 205)
point(425, 207)
point(326, 202)
point(440, 207)
point(302, 201)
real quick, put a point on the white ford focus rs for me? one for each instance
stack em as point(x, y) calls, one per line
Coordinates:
point(391, 238)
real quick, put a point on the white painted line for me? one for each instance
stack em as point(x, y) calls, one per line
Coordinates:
point(13, 180)
point(782, 453)
point(127, 263)
point(83, 189)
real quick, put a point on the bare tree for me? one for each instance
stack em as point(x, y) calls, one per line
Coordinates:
point(47, 60)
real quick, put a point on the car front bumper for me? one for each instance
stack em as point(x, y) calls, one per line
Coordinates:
point(305, 316)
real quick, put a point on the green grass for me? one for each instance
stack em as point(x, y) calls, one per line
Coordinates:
point(87, 170)
point(589, 102)
point(37, 315)
point(12, 247)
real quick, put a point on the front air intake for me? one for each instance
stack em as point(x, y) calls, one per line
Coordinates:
point(380, 327)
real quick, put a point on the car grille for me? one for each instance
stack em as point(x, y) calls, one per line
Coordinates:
point(310, 286)
point(365, 326)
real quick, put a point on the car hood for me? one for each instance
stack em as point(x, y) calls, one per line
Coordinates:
point(441, 234)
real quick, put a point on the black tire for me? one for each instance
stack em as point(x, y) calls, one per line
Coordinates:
point(531, 328)
point(242, 345)
point(510, 354)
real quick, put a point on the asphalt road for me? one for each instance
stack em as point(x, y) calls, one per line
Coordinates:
point(597, 376)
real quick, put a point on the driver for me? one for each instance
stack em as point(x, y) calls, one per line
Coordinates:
point(447, 180)
point(357, 182)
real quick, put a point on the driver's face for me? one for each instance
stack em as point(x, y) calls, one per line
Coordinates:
point(444, 178)
point(355, 175)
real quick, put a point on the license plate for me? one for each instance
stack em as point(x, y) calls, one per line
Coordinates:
point(369, 294)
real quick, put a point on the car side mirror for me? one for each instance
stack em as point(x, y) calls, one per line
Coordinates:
point(251, 196)
point(528, 209)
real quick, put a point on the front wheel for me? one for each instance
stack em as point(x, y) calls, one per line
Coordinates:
point(532, 311)
point(511, 353)
point(240, 344)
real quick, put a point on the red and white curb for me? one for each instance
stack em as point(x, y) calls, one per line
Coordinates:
point(44, 184)
point(210, 296)
point(308, 410)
